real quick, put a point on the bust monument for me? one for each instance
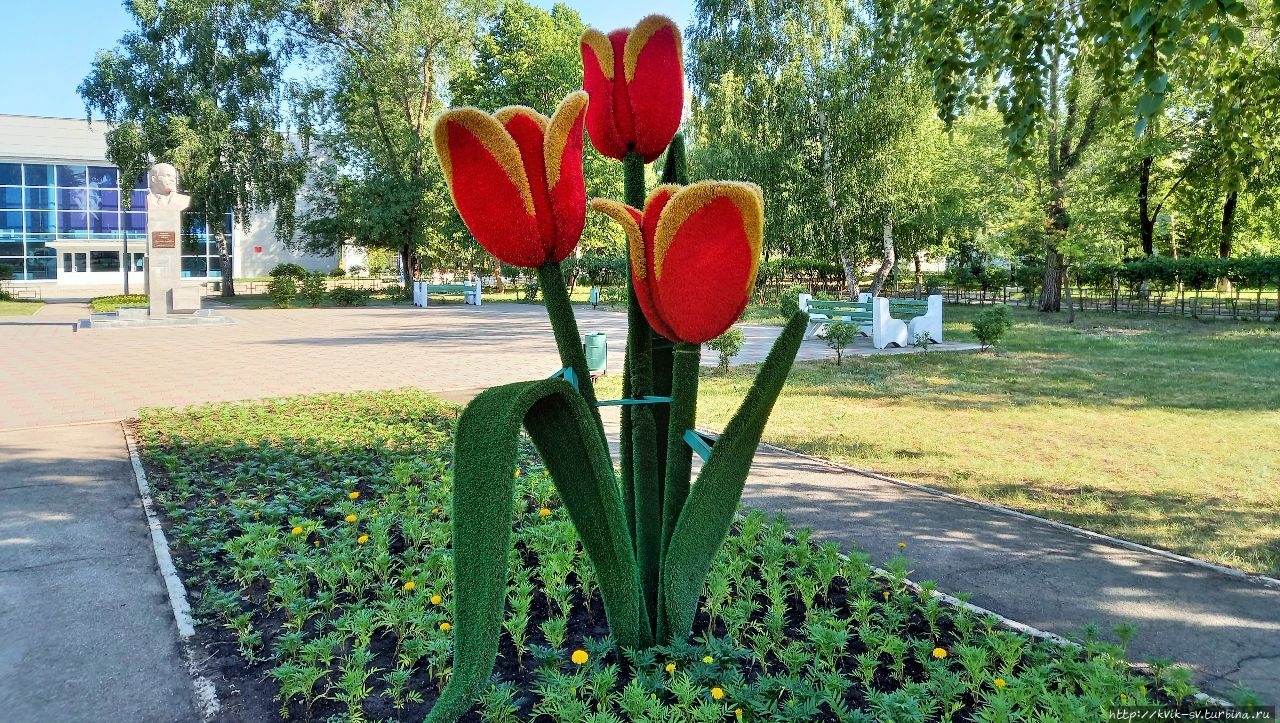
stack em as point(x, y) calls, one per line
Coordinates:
point(165, 293)
point(162, 193)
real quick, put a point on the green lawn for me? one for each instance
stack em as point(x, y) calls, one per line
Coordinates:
point(19, 307)
point(1161, 431)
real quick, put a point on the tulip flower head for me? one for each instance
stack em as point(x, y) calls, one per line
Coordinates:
point(516, 178)
point(635, 78)
point(695, 251)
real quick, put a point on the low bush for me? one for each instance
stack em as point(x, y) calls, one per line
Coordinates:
point(613, 295)
point(291, 270)
point(313, 289)
point(393, 291)
point(337, 273)
point(840, 334)
point(789, 303)
point(342, 296)
point(282, 290)
point(529, 292)
point(103, 304)
point(729, 344)
point(991, 324)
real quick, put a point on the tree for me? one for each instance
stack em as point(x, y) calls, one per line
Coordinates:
point(198, 84)
point(384, 65)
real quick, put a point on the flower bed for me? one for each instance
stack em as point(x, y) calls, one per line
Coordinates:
point(313, 534)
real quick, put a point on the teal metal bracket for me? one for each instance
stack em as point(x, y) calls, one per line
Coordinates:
point(699, 442)
point(568, 375)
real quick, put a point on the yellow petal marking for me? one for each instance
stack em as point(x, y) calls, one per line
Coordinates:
point(505, 114)
point(493, 137)
point(557, 134)
point(603, 49)
point(639, 38)
point(635, 238)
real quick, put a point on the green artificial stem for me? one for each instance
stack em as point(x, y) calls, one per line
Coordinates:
point(708, 511)
point(564, 325)
point(676, 168)
point(486, 452)
point(679, 457)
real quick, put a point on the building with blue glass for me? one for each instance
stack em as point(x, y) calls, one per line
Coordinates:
point(63, 220)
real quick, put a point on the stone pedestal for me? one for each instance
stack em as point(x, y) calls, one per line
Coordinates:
point(164, 244)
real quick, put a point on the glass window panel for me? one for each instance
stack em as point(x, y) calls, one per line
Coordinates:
point(66, 262)
point(72, 175)
point(10, 174)
point(104, 260)
point(104, 200)
point(70, 222)
point(104, 222)
point(38, 248)
point(40, 198)
point(138, 200)
point(15, 267)
point(11, 221)
point(141, 184)
point(192, 247)
point(72, 199)
point(82, 262)
point(139, 262)
point(45, 267)
point(194, 266)
point(102, 177)
point(136, 222)
point(11, 248)
point(11, 197)
point(40, 222)
point(38, 174)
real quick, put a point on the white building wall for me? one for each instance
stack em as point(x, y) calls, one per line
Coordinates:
point(257, 251)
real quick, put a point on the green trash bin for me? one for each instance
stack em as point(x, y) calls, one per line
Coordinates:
point(596, 348)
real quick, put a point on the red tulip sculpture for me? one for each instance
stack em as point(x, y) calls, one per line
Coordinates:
point(517, 181)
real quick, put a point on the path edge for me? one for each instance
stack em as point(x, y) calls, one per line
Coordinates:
point(206, 695)
point(1256, 579)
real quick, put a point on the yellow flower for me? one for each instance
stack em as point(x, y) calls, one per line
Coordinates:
point(315, 543)
point(1000, 683)
point(436, 599)
point(544, 512)
point(939, 653)
point(902, 545)
point(352, 518)
point(517, 474)
point(579, 656)
point(886, 594)
point(409, 585)
point(256, 515)
point(362, 539)
point(297, 530)
point(708, 659)
point(435, 510)
point(717, 692)
point(353, 495)
point(446, 627)
point(670, 667)
point(737, 714)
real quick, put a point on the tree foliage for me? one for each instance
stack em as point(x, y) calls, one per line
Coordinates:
point(196, 84)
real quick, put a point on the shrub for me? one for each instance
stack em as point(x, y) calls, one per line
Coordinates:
point(342, 296)
point(282, 290)
point(393, 291)
point(313, 289)
point(289, 270)
point(840, 335)
point(530, 292)
point(338, 273)
point(111, 303)
point(613, 295)
point(991, 324)
point(789, 304)
point(729, 344)
point(357, 270)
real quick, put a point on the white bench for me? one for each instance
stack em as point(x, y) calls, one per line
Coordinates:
point(886, 321)
point(470, 292)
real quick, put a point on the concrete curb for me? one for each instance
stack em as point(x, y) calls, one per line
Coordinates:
point(1138, 547)
point(206, 695)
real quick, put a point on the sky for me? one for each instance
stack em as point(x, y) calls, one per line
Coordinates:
point(46, 47)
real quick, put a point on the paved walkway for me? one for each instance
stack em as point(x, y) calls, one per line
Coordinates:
point(1228, 628)
point(87, 630)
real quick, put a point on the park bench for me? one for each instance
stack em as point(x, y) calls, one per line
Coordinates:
point(886, 321)
point(470, 293)
point(923, 316)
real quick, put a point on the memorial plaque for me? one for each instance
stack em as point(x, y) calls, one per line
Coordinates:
point(163, 240)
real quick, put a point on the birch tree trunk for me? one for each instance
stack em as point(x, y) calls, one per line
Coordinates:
point(890, 260)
